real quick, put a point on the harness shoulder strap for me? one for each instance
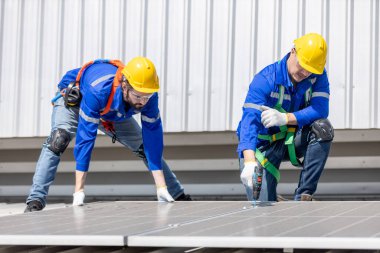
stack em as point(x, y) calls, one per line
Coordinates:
point(278, 105)
point(116, 81)
point(286, 133)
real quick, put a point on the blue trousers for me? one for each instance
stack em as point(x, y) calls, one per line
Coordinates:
point(128, 133)
point(315, 154)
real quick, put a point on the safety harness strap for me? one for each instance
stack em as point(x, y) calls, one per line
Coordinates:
point(267, 165)
point(109, 126)
point(116, 80)
point(286, 133)
point(272, 138)
point(116, 83)
point(289, 142)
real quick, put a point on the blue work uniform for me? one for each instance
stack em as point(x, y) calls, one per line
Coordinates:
point(95, 87)
point(83, 122)
point(264, 90)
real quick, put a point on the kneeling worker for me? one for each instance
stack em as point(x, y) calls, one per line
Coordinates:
point(285, 118)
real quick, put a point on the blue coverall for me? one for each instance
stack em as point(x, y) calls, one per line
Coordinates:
point(264, 90)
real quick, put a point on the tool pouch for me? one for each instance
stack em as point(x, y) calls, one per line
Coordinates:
point(72, 95)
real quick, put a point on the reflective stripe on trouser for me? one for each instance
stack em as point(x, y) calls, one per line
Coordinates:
point(315, 155)
point(128, 132)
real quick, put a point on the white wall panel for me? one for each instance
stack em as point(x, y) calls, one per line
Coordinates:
point(338, 62)
point(265, 33)
point(10, 60)
point(112, 39)
point(243, 62)
point(206, 53)
point(28, 67)
point(48, 63)
point(198, 52)
point(175, 74)
point(219, 62)
point(361, 58)
point(375, 62)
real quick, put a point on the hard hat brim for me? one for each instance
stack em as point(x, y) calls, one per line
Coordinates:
point(144, 90)
point(311, 69)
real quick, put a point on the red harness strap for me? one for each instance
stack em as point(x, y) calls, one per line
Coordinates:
point(108, 125)
point(116, 80)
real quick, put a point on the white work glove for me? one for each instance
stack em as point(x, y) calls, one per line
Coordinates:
point(271, 117)
point(246, 175)
point(163, 195)
point(78, 199)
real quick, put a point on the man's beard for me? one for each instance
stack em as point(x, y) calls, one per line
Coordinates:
point(137, 105)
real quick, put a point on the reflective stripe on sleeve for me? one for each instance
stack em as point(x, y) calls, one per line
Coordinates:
point(320, 94)
point(88, 118)
point(150, 120)
point(253, 106)
point(101, 79)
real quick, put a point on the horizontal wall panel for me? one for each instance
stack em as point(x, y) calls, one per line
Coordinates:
point(206, 53)
point(340, 163)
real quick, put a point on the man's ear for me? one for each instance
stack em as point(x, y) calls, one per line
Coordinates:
point(293, 51)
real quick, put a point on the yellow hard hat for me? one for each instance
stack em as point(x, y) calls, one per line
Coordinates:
point(141, 75)
point(311, 51)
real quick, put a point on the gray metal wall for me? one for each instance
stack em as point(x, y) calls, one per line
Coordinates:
point(206, 52)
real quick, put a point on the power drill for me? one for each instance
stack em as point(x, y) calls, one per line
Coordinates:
point(257, 181)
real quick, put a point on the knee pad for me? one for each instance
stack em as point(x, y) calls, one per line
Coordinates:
point(322, 130)
point(58, 141)
point(140, 152)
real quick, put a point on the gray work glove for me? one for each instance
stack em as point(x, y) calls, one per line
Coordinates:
point(271, 117)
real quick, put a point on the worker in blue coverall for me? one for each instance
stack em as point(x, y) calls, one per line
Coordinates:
point(105, 95)
point(285, 118)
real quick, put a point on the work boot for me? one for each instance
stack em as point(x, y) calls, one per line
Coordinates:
point(281, 198)
point(306, 197)
point(183, 197)
point(33, 206)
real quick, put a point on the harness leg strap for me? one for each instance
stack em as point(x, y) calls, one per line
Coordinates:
point(267, 165)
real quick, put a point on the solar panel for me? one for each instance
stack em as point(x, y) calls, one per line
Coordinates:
point(227, 224)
